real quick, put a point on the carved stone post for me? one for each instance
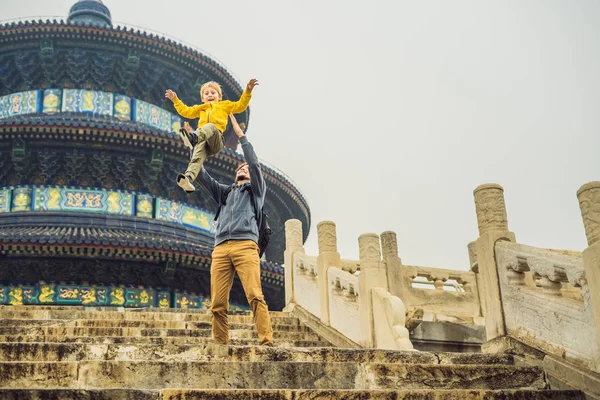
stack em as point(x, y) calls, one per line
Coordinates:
point(396, 272)
point(589, 202)
point(493, 226)
point(372, 275)
point(293, 244)
point(328, 257)
point(474, 267)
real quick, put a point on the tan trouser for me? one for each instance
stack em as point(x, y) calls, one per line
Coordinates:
point(210, 142)
point(239, 256)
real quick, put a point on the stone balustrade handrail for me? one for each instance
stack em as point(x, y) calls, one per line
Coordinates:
point(306, 265)
point(441, 275)
point(350, 265)
point(552, 267)
point(354, 308)
point(343, 283)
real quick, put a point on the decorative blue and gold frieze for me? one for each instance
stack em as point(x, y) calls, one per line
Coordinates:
point(20, 103)
point(90, 101)
point(175, 123)
point(122, 108)
point(144, 206)
point(150, 114)
point(52, 101)
point(5, 196)
point(44, 293)
point(163, 298)
point(186, 300)
point(53, 198)
point(167, 210)
point(67, 199)
point(21, 199)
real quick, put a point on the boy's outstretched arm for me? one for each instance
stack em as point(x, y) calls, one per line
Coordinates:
point(240, 105)
point(182, 109)
point(257, 182)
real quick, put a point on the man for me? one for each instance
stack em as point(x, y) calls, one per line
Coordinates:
point(236, 248)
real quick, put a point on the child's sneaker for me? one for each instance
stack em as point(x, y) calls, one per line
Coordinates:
point(189, 139)
point(185, 183)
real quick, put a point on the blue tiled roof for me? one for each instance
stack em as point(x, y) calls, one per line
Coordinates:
point(118, 239)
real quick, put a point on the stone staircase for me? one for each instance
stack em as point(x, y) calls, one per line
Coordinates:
point(77, 353)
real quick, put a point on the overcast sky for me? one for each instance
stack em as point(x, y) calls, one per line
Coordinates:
point(387, 114)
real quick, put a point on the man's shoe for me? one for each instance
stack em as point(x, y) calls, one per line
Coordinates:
point(189, 139)
point(185, 183)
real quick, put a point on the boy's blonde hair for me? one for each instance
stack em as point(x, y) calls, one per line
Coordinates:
point(213, 85)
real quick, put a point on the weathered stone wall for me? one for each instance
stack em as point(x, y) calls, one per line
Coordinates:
point(545, 313)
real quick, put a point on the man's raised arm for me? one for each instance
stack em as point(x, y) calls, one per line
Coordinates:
point(257, 182)
point(214, 188)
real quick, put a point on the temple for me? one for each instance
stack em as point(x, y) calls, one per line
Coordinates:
point(89, 210)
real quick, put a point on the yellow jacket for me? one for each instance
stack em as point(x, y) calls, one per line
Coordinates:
point(216, 112)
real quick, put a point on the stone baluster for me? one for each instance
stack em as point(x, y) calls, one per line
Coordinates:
point(493, 226)
point(328, 257)
point(372, 275)
point(293, 244)
point(589, 202)
point(474, 266)
point(438, 278)
point(515, 271)
point(398, 281)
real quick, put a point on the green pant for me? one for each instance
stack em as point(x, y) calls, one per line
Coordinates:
point(210, 142)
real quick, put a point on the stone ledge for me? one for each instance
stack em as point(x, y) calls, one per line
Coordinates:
point(137, 340)
point(130, 394)
point(561, 374)
point(11, 312)
point(326, 332)
point(257, 375)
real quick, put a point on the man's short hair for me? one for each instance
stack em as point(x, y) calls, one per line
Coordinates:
point(240, 166)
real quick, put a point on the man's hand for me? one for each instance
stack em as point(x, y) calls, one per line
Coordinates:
point(236, 128)
point(171, 95)
point(187, 127)
point(251, 84)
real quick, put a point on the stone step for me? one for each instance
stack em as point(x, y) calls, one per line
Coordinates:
point(248, 394)
point(136, 340)
point(211, 352)
point(257, 375)
point(17, 313)
point(146, 332)
point(97, 309)
point(120, 323)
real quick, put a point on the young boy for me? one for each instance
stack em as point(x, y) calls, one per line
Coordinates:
point(212, 121)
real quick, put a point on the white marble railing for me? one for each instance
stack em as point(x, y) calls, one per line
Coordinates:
point(555, 273)
point(357, 306)
point(305, 283)
point(422, 288)
point(350, 265)
point(389, 313)
point(461, 304)
point(344, 315)
point(546, 301)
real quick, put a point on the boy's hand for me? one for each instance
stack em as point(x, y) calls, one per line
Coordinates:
point(187, 127)
point(236, 128)
point(171, 95)
point(251, 84)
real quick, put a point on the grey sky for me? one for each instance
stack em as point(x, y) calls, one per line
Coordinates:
point(387, 114)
